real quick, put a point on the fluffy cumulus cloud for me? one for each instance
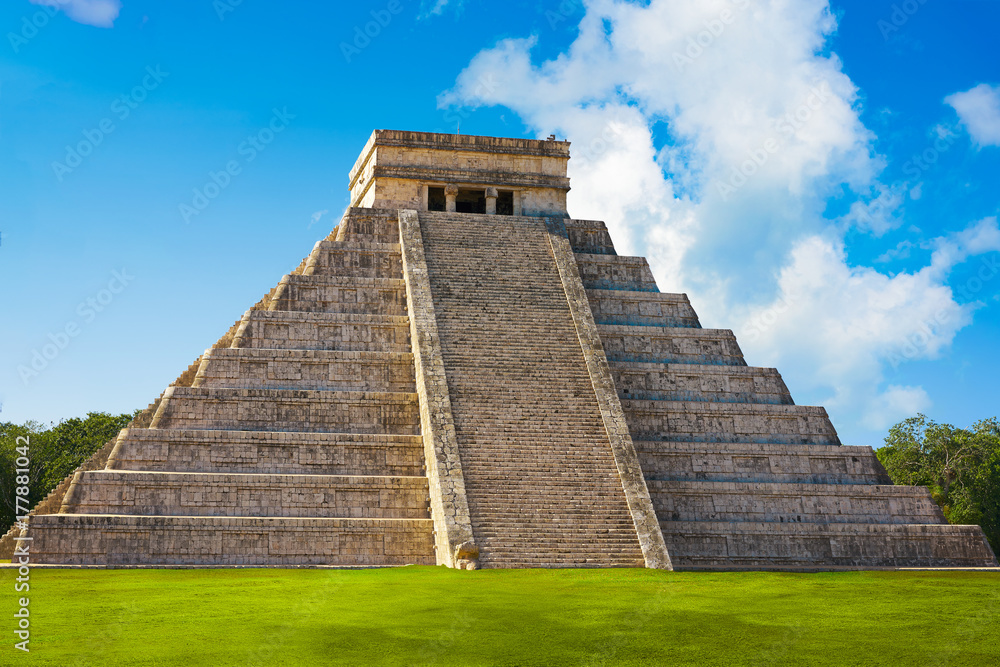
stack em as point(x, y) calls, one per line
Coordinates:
point(979, 111)
point(100, 13)
point(710, 135)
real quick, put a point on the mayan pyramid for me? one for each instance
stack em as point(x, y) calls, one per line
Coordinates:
point(461, 374)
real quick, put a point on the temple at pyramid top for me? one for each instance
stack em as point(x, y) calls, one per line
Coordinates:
point(426, 171)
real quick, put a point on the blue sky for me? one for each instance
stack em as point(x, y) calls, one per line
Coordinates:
point(821, 178)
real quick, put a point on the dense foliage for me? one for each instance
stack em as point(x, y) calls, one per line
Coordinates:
point(961, 467)
point(54, 451)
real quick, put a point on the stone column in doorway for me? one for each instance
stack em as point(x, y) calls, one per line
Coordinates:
point(491, 201)
point(450, 193)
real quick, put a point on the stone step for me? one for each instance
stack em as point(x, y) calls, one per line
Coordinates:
point(228, 494)
point(369, 224)
point(184, 450)
point(590, 237)
point(756, 462)
point(729, 422)
point(287, 410)
point(265, 329)
point(122, 541)
point(699, 382)
point(340, 294)
point(792, 503)
point(616, 272)
point(670, 345)
point(630, 308)
point(310, 369)
point(763, 545)
point(356, 258)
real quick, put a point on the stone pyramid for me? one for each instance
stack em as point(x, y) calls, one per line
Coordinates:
point(460, 374)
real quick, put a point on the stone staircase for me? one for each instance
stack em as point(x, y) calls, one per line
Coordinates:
point(540, 477)
point(297, 443)
point(740, 476)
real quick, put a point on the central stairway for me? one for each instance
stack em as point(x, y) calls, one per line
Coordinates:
point(540, 476)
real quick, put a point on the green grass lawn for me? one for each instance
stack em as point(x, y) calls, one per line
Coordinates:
point(426, 615)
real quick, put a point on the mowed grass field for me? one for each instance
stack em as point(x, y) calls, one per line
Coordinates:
point(427, 615)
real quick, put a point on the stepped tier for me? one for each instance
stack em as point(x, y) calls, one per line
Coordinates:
point(700, 421)
point(615, 272)
point(758, 462)
point(624, 307)
point(323, 331)
point(694, 382)
point(268, 368)
point(793, 503)
point(340, 294)
point(184, 450)
point(228, 494)
point(670, 345)
point(589, 236)
point(822, 546)
point(289, 410)
point(360, 259)
point(118, 540)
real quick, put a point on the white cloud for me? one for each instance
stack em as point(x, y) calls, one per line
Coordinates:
point(901, 251)
point(316, 216)
point(438, 7)
point(894, 405)
point(979, 110)
point(761, 129)
point(100, 13)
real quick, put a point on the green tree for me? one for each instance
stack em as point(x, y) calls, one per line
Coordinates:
point(960, 466)
point(54, 452)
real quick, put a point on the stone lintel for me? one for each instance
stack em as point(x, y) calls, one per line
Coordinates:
point(454, 540)
point(647, 526)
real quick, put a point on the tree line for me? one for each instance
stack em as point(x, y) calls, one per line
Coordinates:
point(54, 451)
